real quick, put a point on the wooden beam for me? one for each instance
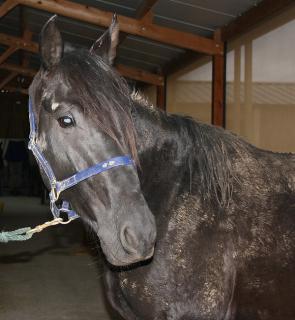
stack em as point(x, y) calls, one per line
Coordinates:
point(6, 80)
point(161, 97)
point(236, 110)
point(8, 52)
point(132, 26)
point(15, 89)
point(125, 71)
point(140, 75)
point(18, 69)
point(128, 72)
point(7, 6)
point(27, 36)
point(3, 57)
point(14, 73)
point(218, 88)
point(254, 16)
point(248, 93)
point(145, 8)
point(19, 42)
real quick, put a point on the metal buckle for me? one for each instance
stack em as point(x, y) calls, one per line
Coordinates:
point(54, 193)
point(30, 144)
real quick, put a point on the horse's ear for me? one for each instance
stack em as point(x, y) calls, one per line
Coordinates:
point(51, 44)
point(106, 45)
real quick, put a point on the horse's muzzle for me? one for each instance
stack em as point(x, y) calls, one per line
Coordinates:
point(138, 245)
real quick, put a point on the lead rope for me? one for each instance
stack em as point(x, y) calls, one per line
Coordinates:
point(27, 233)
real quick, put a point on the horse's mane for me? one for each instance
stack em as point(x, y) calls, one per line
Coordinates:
point(211, 152)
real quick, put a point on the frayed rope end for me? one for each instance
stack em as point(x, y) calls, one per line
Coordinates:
point(16, 235)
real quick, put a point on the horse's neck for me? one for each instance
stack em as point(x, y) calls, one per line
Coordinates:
point(168, 167)
point(162, 158)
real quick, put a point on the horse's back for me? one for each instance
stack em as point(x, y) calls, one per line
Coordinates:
point(265, 238)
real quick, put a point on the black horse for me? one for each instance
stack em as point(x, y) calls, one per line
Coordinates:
point(223, 210)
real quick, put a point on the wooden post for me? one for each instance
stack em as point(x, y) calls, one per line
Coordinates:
point(218, 84)
point(161, 96)
point(248, 105)
point(236, 111)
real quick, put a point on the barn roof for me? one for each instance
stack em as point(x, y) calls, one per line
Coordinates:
point(140, 52)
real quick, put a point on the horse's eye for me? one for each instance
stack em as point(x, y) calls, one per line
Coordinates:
point(66, 121)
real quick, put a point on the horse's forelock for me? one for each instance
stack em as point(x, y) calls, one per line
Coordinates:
point(99, 91)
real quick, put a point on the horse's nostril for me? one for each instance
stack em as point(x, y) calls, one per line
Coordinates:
point(129, 240)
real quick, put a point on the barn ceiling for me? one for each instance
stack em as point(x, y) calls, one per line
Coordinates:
point(195, 17)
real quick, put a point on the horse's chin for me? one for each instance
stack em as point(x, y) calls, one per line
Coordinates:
point(125, 259)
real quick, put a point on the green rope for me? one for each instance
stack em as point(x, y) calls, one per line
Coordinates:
point(16, 235)
point(27, 233)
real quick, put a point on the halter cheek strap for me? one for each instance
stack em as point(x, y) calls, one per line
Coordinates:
point(59, 186)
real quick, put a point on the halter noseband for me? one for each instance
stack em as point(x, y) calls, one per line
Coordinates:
point(59, 186)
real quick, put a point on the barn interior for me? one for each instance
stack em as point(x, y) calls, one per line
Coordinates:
point(228, 62)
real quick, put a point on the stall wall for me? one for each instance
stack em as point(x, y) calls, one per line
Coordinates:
point(260, 86)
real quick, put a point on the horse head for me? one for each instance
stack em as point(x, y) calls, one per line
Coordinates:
point(83, 114)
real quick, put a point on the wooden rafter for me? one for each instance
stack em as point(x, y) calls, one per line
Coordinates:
point(7, 53)
point(131, 73)
point(7, 6)
point(15, 89)
point(12, 75)
point(18, 69)
point(27, 36)
point(128, 72)
point(132, 26)
point(19, 42)
point(8, 78)
point(254, 16)
point(145, 8)
point(140, 75)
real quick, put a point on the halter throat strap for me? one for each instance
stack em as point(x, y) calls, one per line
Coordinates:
point(59, 186)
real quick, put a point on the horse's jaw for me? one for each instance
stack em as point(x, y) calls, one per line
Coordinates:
point(128, 261)
point(116, 252)
point(118, 259)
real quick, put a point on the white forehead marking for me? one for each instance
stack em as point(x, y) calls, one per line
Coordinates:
point(54, 106)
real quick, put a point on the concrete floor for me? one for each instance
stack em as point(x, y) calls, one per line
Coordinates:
point(50, 277)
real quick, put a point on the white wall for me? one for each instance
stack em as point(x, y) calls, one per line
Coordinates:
point(276, 46)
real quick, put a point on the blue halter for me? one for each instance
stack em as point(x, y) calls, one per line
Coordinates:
point(59, 186)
